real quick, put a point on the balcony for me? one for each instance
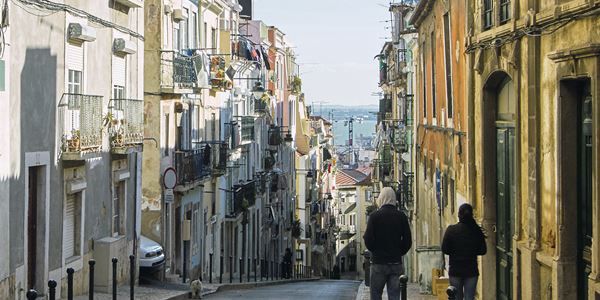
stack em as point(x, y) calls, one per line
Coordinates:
point(125, 122)
point(80, 126)
point(244, 196)
point(399, 143)
point(177, 73)
point(385, 107)
point(218, 157)
point(376, 170)
point(274, 136)
point(247, 129)
point(408, 109)
point(191, 166)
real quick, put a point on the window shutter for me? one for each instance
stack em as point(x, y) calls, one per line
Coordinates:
point(118, 70)
point(69, 227)
point(74, 56)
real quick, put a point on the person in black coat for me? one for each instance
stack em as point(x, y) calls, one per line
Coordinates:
point(463, 242)
point(388, 238)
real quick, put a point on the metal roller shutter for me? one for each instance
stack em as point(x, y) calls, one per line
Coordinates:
point(74, 57)
point(69, 227)
point(118, 70)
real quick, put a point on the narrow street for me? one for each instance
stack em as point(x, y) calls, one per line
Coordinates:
point(323, 289)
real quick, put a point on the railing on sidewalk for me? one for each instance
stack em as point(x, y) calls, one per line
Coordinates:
point(32, 294)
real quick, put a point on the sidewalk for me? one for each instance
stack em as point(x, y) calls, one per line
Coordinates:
point(412, 293)
point(180, 291)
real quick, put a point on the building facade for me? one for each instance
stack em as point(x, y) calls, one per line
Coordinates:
point(71, 138)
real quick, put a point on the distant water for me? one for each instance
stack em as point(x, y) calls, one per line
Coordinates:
point(340, 132)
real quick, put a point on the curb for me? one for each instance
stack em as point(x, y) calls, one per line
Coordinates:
point(242, 286)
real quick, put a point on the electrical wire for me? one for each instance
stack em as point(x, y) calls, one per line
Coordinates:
point(58, 7)
point(532, 31)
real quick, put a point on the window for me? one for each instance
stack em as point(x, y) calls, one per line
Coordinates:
point(165, 31)
point(448, 58)
point(194, 30)
point(424, 78)
point(214, 40)
point(184, 27)
point(118, 209)
point(504, 11)
point(166, 137)
point(195, 130)
point(176, 39)
point(72, 226)
point(487, 14)
point(352, 219)
point(118, 92)
point(74, 82)
point(433, 88)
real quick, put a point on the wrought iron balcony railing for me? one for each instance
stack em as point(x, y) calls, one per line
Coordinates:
point(244, 196)
point(192, 165)
point(80, 122)
point(177, 71)
point(247, 129)
point(275, 136)
point(125, 122)
point(385, 107)
point(261, 106)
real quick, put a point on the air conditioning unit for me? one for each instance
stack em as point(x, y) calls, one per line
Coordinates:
point(123, 47)
point(80, 32)
point(178, 15)
point(132, 3)
point(168, 9)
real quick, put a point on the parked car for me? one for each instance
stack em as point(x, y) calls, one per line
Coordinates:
point(152, 255)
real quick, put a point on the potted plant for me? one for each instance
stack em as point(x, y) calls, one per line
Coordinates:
point(296, 228)
point(74, 143)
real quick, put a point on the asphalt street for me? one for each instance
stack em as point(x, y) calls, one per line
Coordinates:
point(313, 290)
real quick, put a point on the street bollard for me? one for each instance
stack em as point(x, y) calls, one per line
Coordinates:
point(403, 287)
point(451, 291)
point(271, 269)
point(52, 290)
point(248, 271)
point(230, 269)
point(92, 264)
point(241, 265)
point(131, 276)
point(254, 269)
point(221, 269)
point(31, 294)
point(70, 272)
point(210, 264)
point(114, 277)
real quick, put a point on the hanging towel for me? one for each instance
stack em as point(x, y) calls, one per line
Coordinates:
point(265, 56)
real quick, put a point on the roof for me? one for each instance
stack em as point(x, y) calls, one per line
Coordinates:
point(365, 170)
point(421, 11)
point(317, 118)
point(347, 177)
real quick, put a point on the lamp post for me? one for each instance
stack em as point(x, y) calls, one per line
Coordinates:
point(258, 90)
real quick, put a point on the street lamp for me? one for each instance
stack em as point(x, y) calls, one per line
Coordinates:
point(258, 90)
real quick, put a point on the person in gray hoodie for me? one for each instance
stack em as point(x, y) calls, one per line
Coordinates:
point(388, 238)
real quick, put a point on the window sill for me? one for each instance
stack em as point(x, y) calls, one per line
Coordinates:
point(75, 262)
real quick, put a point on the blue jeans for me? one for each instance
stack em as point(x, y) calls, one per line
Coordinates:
point(385, 274)
point(465, 287)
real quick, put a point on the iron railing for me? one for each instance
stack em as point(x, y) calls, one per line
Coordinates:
point(191, 165)
point(177, 70)
point(80, 121)
point(247, 129)
point(408, 109)
point(385, 107)
point(275, 136)
point(260, 106)
point(126, 122)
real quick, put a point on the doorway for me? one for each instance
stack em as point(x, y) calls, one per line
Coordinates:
point(36, 228)
point(499, 151)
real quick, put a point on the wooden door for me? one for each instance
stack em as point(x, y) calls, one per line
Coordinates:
point(32, 228)
point(584, 196)
point(504, 211)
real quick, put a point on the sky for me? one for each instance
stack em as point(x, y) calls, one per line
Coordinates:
point(336, 42)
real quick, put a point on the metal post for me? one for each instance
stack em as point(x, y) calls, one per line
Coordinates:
point(52, 290)
point(114, 277)
point(31, 294)
point(184, 273)
point(403, 286)
point(230, 269)
point(248, 270)
point(221, 269)
point(270, 266)
point(131, 276)
point(210, 264)
point(255, 270)
point(241, 265)
point(92, 264)
point(70, 272)
point(451, 291)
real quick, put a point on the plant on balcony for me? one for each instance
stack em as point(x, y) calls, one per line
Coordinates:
point(74, 143)
point(296, 85)
point(114, 127)
point(296, 228)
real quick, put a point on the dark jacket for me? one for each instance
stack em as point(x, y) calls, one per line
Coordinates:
point(388, 235)
point(463, 243)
